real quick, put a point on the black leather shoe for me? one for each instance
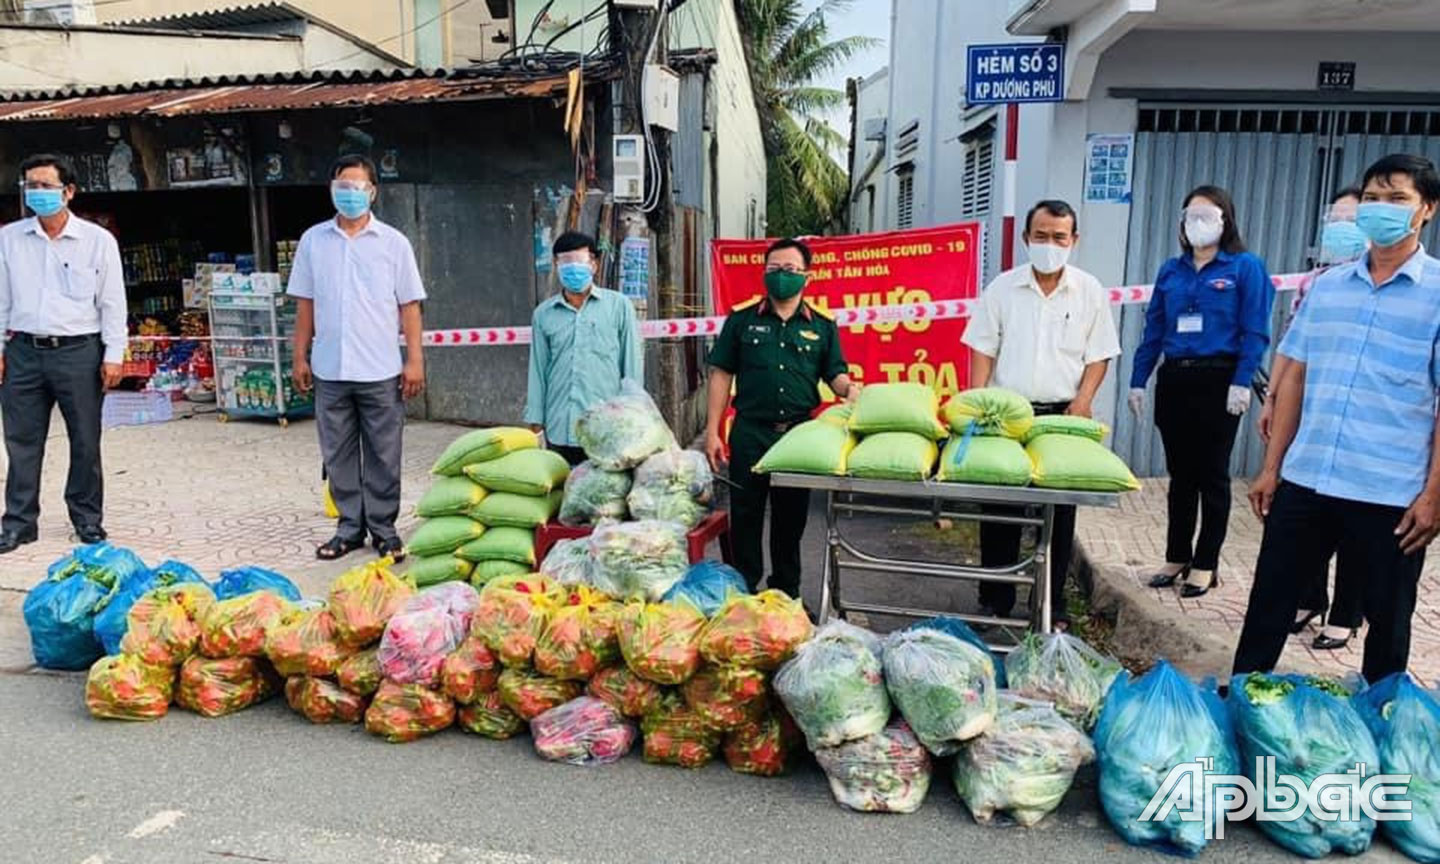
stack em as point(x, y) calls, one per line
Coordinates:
point(91, 534)
point(10, 541)
point(1190, 590)
point(1326, 642)
point(1165, 580)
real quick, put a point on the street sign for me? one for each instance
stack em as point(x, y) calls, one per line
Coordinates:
point(1335, 76)
point(1018, 72)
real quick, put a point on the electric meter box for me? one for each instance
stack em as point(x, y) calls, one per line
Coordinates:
point(628, 158)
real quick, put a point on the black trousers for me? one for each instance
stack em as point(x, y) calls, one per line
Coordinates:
point(1345, 609)
point(1368, 553)
point(362, 427)
point(1000, 547)
point(1198, 434)
point(573, 455)
point(789, 510)
point(36, 380)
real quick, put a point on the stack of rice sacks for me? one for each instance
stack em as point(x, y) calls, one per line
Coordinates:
point(890, 433)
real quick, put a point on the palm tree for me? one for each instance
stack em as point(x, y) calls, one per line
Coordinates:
point(787, 49)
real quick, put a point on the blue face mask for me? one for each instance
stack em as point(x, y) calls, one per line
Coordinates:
point(45, 202)
point(1384, 223)
point(1341, 242)
point(575, 276)
point(351, 203)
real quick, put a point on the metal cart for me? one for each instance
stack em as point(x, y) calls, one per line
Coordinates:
point(253, 357)
point(933, 500)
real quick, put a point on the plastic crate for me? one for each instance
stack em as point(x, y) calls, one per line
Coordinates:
point(136, 409)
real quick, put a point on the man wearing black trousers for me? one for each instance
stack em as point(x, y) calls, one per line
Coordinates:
point(62, 307)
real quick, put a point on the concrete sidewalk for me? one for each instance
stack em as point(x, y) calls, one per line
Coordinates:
point(1126, 545)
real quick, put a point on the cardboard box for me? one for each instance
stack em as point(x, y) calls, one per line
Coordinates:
point(196, 293)
point(265, 283)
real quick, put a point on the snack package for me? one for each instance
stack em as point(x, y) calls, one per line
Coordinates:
point(762, 631)
point(361, 674)
point(835, 686)
point(594, 496)
point(1404, 719)
point(625, 691)
point(620, 433)
point(511, 616)
point(364, 599)
point(675, 735)
point(163, 627)
point(661, 641)
point(237, 627)
point(322, 701)
point(529, 695)
point(583, 731)
point(638, 559)
point(708, 585)
point(406, 712)
point(1310, 729)
point(673, 486)
point(580, 637)
point(1063, 670)
point(112, 613)
point(214, 688)
point(489, 718)
point(727, 697)
point(764, 748)
point(944, 687)
point(305, 643)
point(1023, 765)
point(60, 611)
point(418, 639)
point(124, 687)
point(247, 580)
point(568, 562)
point(471, 671)
point(888, 772)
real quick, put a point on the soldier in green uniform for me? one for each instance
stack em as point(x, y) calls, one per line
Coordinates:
point(775, 350)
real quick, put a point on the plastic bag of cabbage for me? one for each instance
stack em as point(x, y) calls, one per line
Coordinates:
point(594, 496)
point(1063, 670)
point(1149, 726)
point(1405, 721)
point(1023, 765)
point(638, 559)
point(834, 686)
point(673, 486)
point(620, 433)
point(944, 687)
point(1310, 729)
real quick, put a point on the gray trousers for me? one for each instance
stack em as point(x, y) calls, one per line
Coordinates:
point(361, 428)
point(36, 380)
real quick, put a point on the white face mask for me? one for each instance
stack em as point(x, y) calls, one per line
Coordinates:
point(1204, 226)
point(1047, 258)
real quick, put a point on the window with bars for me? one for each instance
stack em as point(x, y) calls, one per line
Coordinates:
point(905, 198)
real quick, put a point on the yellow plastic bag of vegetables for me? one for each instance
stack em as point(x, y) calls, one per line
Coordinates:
point(726, 697)
point(470, 671)
point(675, 735)
point(407, 712)
point(322, 702)
point(581, 637)
point(214, 688)
point(163, 627)
point(529, 695)
point(761, 630)
point(363, 601)
point(124, 687)
point(489, 718)
point(306, 643)
point(237, 627)
point(512, 615)
point(661, 641)
point(361, 674)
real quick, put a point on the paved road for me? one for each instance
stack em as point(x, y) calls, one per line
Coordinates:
point(266, 786)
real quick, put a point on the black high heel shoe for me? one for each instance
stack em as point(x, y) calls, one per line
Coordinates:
point(1299, 626)
point(1190, 590)
point(1330, 643)
point(1165, 580)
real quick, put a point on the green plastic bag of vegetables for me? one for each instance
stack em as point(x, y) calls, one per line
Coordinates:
point(639, 559)
point(944, 687)
point(900, 407)
point(1023, 765)
point(594, 496)
point(502, 544)
point(893, 456)
point(986, 459)
point(992, 411)
point(439, 568)
point(814, 447)
point(444, 535)
point(1072, 462)
point(888, 772)
point(482, 445)
point(508, 510)
point(450, 496)
point(620, 433)
point(486, 572)
point(1062, 670)
point(524, 472)
point(1065, 424)
point(834, 686)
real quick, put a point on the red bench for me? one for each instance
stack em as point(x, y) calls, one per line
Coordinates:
point(713, 528)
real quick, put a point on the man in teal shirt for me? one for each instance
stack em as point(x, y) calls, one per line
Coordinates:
point(584, 342)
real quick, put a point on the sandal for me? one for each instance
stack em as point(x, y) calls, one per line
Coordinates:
point(391, 548)
point(338, 547)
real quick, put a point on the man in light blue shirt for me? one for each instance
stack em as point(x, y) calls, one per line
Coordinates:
point(357, 287)
point(584, 342)
point(63, 314)
point(1354, 440)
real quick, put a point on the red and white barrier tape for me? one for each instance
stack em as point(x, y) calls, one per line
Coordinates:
point(684, 328)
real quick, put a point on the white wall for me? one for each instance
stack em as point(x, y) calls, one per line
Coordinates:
point(872, 101)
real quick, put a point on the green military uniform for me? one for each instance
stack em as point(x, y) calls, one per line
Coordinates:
point(777, 366)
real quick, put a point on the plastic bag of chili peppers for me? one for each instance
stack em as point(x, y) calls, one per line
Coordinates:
point(214, 688)
point(470, 671)
point(580, 637)
point(163, 627)
point(407, 712)
point(306, 643)
point(675, 735)
point(625, 691)
point(361, 674)
point(531, 695)
point(320, 700)
point(124, 687)
point(512, 615)
point(237, 627)
point(489, 718)
point(363, 601)
point(661, 641)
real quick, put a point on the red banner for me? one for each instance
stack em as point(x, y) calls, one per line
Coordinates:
point(874, 270)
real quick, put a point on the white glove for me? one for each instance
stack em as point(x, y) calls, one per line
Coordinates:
point(1137, 402)
point(1238, 400)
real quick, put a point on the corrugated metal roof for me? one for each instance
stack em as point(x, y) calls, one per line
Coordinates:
point(229, 16)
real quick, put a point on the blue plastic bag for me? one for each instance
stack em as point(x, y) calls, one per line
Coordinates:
point(1405, 721)
point(110, 618)
point(960, 630)
point(244, 580)
point(707, 584)
point(1148, 726)
point(60, 611)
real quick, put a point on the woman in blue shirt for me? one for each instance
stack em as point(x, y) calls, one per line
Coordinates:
point(1210, 320)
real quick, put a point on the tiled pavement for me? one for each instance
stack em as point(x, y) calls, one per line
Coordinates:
point(1133, 539)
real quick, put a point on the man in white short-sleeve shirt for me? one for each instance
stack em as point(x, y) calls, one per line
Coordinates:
point(1045, 331)
point(357, 287)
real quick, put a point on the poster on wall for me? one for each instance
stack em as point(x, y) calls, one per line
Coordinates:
point(1108, 163)
point(216, 162)
point(635, 268)
point(899, 267)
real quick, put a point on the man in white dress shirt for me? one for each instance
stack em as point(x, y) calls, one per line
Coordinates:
point(357, 287)
point(1045, 331)
point(63, 312)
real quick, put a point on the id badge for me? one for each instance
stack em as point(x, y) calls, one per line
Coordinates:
point(1190, 322)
